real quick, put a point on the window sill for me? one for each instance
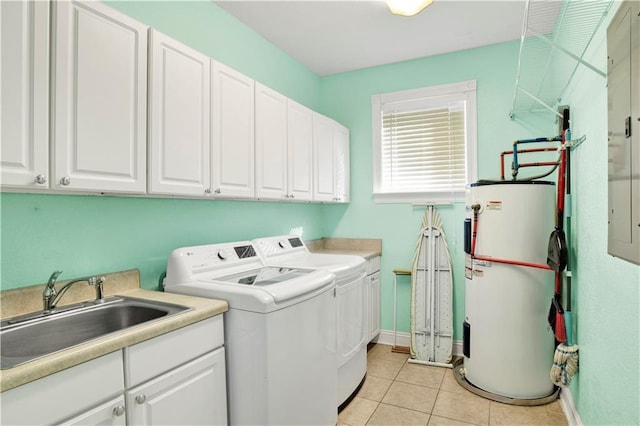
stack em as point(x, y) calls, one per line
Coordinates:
point(418, 197)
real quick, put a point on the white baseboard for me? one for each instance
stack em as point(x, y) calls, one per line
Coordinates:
point(404, 339)
point(569, 408)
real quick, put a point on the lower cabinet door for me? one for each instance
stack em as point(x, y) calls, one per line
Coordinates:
point(110, 413)
point(374, 305)
point(192, 394)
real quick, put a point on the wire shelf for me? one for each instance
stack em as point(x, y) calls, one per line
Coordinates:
point(555, 38)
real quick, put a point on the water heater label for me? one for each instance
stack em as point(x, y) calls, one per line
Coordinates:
point(494, 205)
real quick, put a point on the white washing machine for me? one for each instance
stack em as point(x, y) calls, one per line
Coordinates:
point(290, 251)
point(280, 333)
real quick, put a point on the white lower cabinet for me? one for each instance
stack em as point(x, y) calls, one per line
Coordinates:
point(170, 385)
point(373, 296)
point(193, 394)
point(174, 379)
point(67, 396)
point(109, 413)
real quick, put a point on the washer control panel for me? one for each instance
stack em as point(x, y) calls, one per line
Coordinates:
point(187, 262)
point(284, 244)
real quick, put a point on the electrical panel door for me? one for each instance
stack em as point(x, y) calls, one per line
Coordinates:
point(623, 44)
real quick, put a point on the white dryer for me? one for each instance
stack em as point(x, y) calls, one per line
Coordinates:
point(280, 333)
point(352, 313)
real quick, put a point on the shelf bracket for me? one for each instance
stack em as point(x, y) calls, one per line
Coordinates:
point(537, 15)
point(538, 100)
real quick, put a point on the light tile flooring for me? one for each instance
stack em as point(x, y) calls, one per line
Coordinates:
point(396, 392)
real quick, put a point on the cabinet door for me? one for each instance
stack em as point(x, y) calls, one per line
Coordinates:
point(232, 139)
point(24, 109)
point(323, 158)
point(110, 413)
point(179, 113)
point(271, 144)
point(100, 99)
point(64, 394)
point(341, 166)
point(374, 305)
point(193, 394)
point(300, 151)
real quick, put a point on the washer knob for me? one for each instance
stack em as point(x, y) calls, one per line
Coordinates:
point(281, 244)
point(221, 255)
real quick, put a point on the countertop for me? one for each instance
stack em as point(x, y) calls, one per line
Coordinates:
point(202, 309)
point(365, 247)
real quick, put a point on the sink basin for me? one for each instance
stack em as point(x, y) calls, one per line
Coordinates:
point(33, 336)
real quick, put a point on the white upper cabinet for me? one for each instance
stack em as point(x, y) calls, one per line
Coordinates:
point(331, 160)
point(323, 173)
point(100, 97)
point(232, 139)
point(342, 191)
point(179, 114)
point(271, 144)
point(24, 109)
point(300, 151)
point(284, 147)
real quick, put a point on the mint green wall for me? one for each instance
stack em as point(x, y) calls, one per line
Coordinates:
point(89, 234)
point(347, 98)
point(209, 29)
point(607, 290)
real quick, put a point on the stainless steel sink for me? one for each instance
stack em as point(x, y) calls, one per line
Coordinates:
point(32, 336)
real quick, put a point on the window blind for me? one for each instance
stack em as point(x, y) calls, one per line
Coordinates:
point(423, 150)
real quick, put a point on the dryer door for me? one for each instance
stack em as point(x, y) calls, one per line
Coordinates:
point(351, 319)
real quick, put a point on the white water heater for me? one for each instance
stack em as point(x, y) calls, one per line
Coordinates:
point(508, 344)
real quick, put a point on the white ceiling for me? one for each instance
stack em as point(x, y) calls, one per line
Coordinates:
point(334, 36)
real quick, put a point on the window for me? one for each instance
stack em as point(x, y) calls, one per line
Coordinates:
point(424, 143)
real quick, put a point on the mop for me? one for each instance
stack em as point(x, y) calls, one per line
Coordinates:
point(565, 360)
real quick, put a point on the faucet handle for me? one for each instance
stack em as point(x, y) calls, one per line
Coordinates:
point(54, 276)
point(50, 289)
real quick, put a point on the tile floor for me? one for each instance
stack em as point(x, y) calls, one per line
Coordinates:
point(396, 392)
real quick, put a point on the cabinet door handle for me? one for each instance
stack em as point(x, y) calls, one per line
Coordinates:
point(217, 191)
point(140, 399)
point(41, 179)
point(118, 411)
point(65, 181)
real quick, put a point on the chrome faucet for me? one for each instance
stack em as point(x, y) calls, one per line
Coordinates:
point(51, 297)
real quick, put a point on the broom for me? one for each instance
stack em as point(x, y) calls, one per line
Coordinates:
point(565, 360)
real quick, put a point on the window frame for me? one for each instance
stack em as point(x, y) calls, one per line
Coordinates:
point(462, 91)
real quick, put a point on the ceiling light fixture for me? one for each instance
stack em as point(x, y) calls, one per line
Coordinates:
point(407, 7)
